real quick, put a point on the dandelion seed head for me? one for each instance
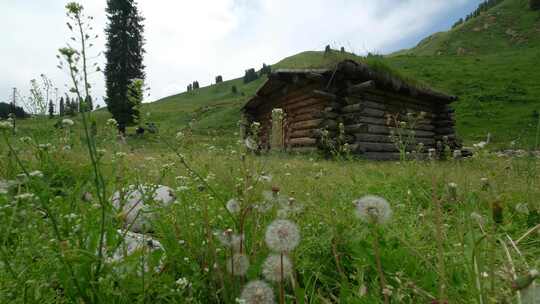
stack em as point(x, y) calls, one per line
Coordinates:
point(228, 239)
point(233, 206)
point(66, 122)
point(272, 268)
point(5, 125)
point(282, 236)
point(373, 209)
point(135, 204)
point(238, 264)
point(257, 292)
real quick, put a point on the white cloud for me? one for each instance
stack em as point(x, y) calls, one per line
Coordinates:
point(197, 40)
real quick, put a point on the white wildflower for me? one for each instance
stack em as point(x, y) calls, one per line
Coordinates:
point(25, 196)
point(272, 268)
point(112, 122)
point(282, 236)
point(46, 146)
point(180, 135)
point(238, 264)
point(26, 139)
point(66, 122)
point(257, 292)
point(477, 217)
point(228, 239)
point(522, 208)
point(183, 283)
point(36, 173)
point(374, 209)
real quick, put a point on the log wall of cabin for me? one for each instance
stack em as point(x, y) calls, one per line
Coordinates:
point(365, 118)
point(303, 118)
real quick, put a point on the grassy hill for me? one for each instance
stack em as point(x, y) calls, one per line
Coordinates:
point(488, 61)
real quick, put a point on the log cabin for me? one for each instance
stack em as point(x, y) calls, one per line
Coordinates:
point(369, 110)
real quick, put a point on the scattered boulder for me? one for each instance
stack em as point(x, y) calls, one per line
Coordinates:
point(137, 205)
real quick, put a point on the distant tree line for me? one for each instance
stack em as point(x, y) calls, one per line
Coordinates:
point(7, 108)
point(484, 6)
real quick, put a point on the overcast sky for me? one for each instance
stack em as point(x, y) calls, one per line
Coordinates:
point(199, 39)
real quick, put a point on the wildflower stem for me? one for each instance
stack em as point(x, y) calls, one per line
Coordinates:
point(379, 266)
point(281, 281)
point(202, 180)
point(98, 178)
point(56, 230)
point(7, 263)
point(439, 236)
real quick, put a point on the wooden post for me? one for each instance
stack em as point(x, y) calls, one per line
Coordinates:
point(277, 139)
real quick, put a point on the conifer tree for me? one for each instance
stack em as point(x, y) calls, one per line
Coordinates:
point(61, 107)
point(124, 54)
point(51, 109)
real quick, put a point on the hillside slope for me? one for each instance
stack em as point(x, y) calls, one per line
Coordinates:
point(489, 62)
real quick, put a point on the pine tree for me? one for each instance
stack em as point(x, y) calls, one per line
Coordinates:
point(51, 109)
point(61, 108)
point(89, 103)
point(124, 54)
point(250, 75)
point(68, 108)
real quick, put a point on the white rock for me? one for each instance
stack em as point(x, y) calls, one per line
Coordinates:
point(138, 204)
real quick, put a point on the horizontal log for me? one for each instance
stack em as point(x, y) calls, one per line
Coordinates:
point(375, 147)
point(354, 118)
point(385, 95)
point(324, 94)
point(303, 104)
point(363, 137)
point(381, 130)
point(308, 124)
point(363, 110)
point(327, 115)
point(315, 77)
point(361, 87)
point(448, 130)
point(329, 124)
point(302, 117)
point(302, 141)
point(303, 133)
point(316, 108)
point(444, 123)
point(392, 108)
